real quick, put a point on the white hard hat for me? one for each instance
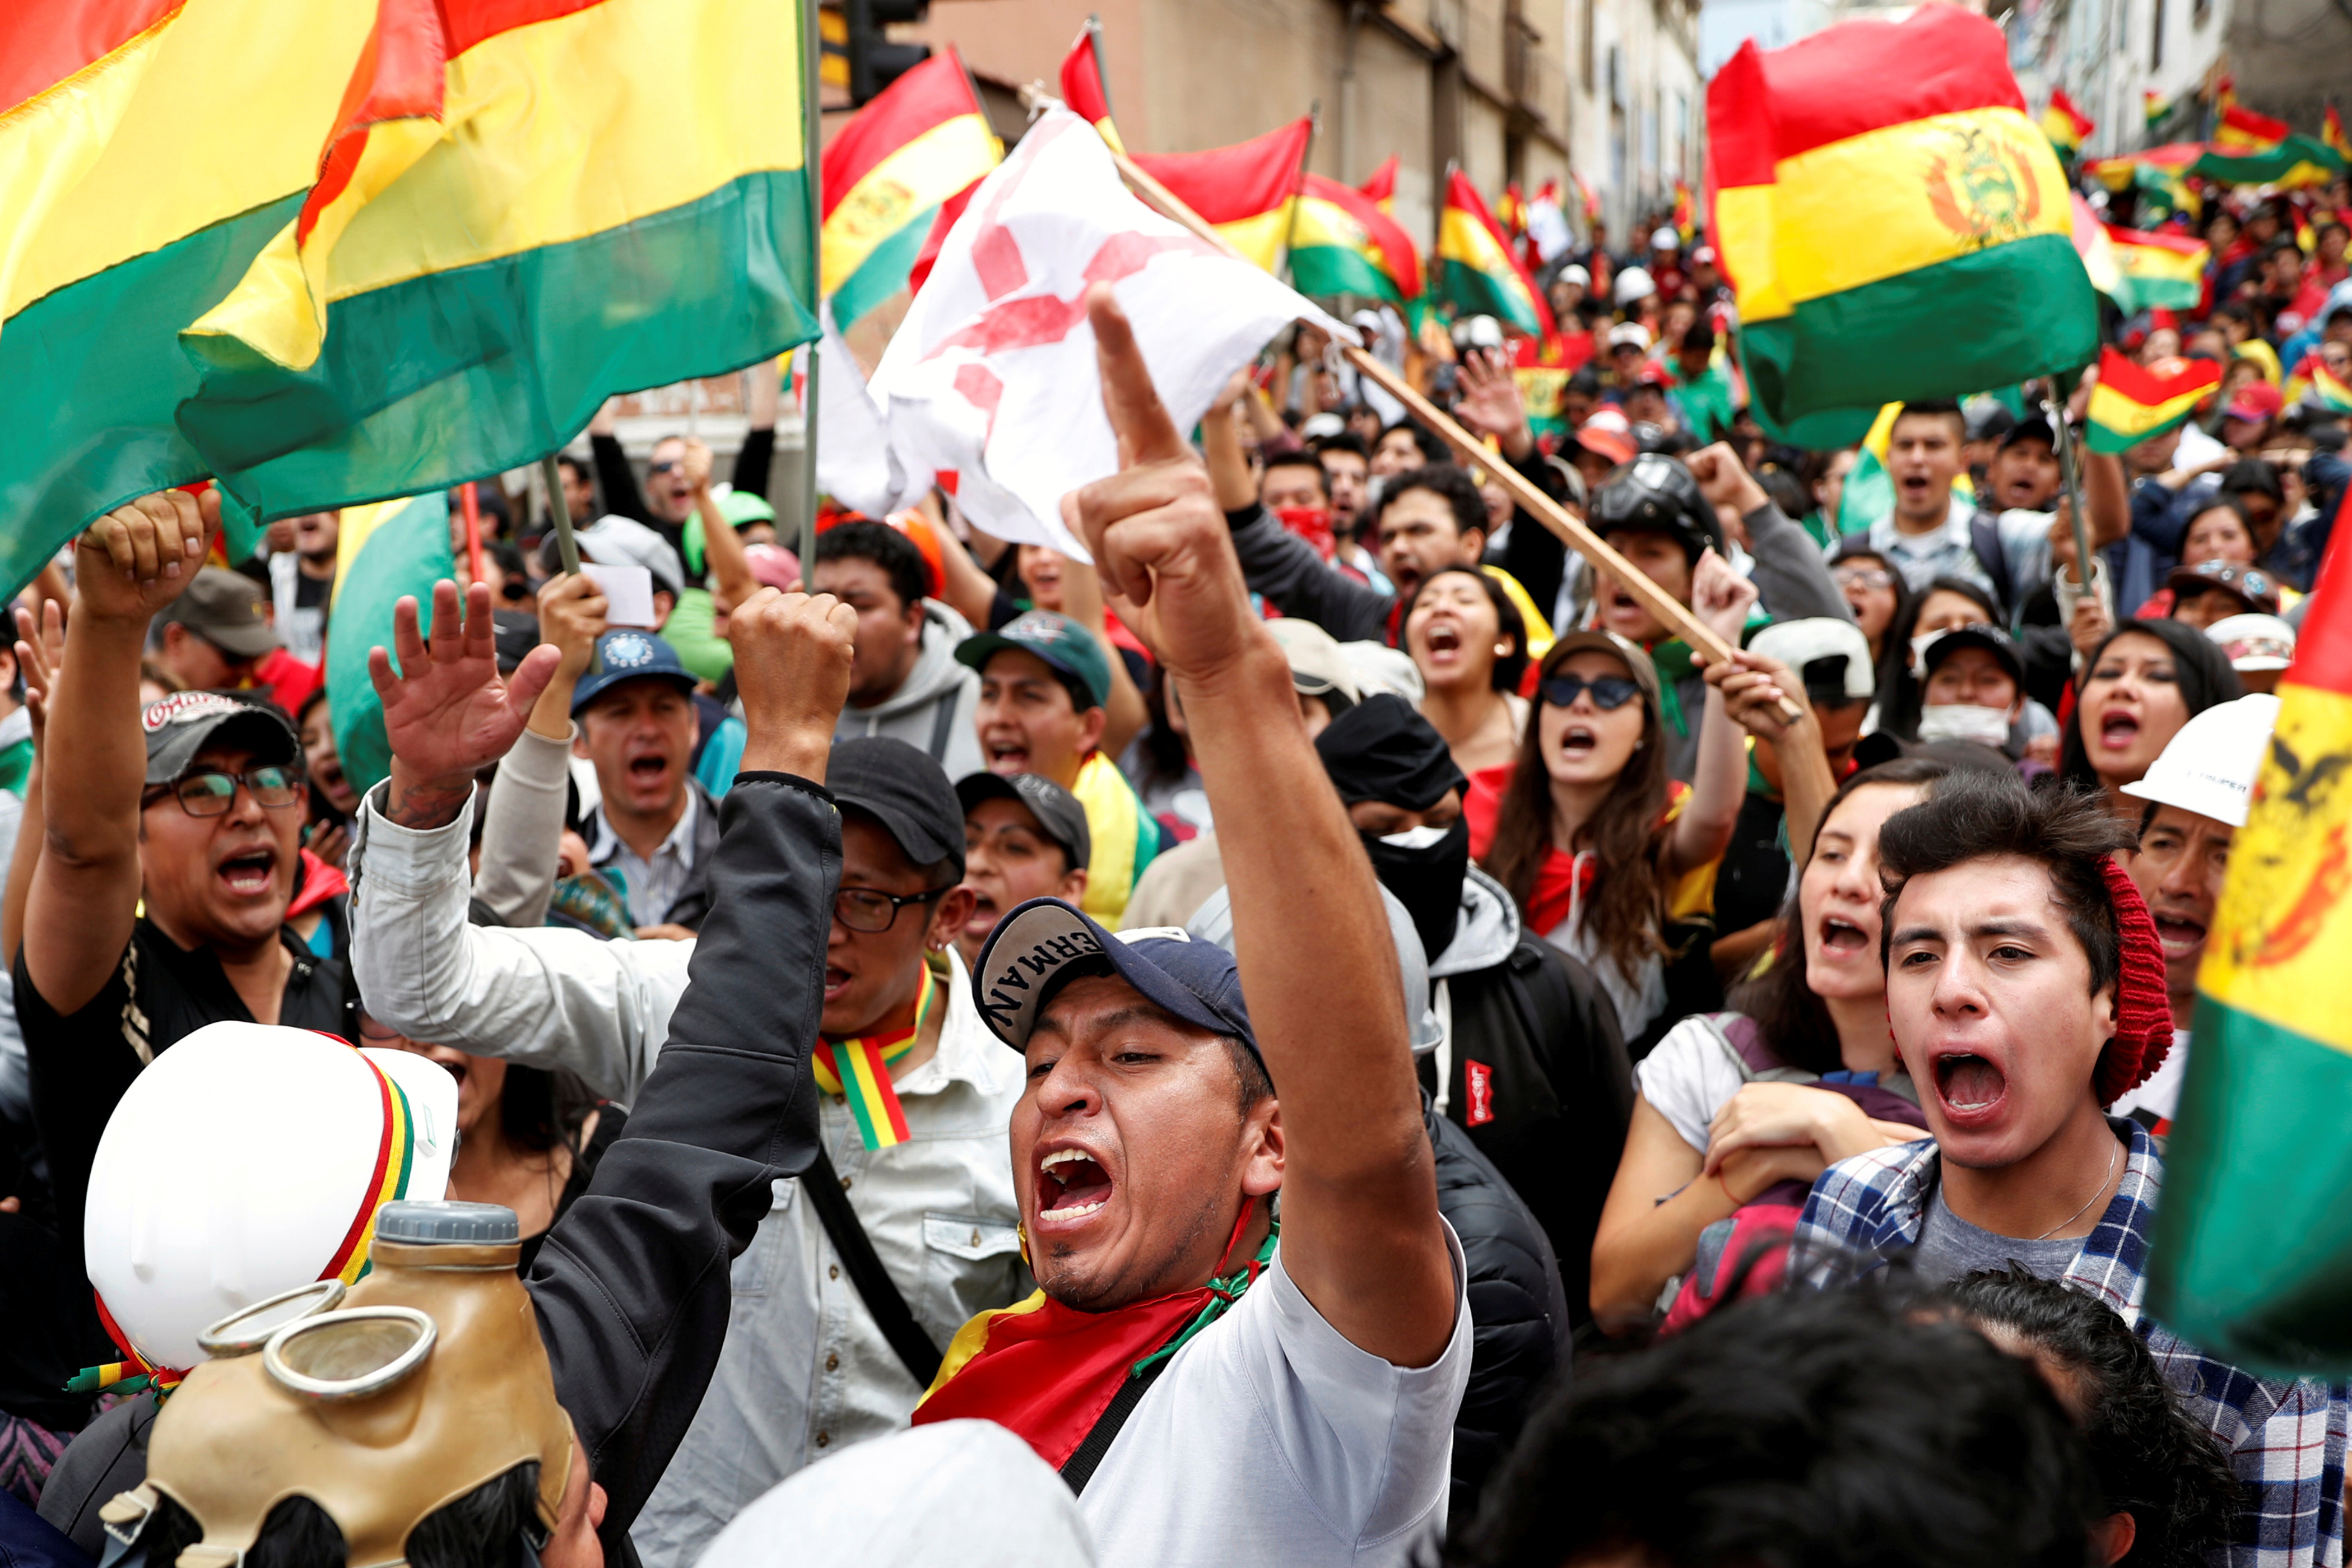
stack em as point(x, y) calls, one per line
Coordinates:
point(1629, 334)
point(1576, 275)
point(249, 1160)
point(1633, 283)
point(2212, 765)
point(1666, 239)
point(1797, 644)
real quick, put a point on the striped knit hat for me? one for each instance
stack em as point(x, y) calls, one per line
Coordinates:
point(2143, 1007)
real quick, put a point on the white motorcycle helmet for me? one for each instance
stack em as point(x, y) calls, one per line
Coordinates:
point(246, 1161)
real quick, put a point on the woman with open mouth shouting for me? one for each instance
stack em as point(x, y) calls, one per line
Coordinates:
point(2139, 686)
point(1600, 849)
point(1466, 637)
point(1726, 1107)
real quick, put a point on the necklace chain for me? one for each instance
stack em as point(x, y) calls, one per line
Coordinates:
point(2115, 1152)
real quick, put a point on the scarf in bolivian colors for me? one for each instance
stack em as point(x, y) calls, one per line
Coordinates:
point(858, 1070)
point(1047, 1372)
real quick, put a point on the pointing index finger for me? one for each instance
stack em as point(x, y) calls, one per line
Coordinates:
point(1137, 418)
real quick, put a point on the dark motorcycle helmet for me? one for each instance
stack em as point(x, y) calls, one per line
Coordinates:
point(1657, 492)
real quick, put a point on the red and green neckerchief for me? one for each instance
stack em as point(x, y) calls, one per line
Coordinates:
point(858, 1070)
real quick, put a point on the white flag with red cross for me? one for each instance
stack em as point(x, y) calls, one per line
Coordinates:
point(992, 372)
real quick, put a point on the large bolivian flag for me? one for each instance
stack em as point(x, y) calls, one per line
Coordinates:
point(148, 150)
point(2252, 1256)
point(384, 550)
point(886, 175)
point(524, 206)
point(2294, 163)
point(1245, 190)
point(1893, 233)
point(1343, 244)
point(1478, 269)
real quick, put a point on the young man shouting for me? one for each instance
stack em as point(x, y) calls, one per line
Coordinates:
point(2025, 985)
point(1203, 1383)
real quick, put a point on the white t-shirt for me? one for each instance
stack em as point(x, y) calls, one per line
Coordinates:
point(2160, 1095)
point(1688, 1077)
point(1271, 1438)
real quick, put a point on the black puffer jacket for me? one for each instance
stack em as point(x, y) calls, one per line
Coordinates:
point(1518, 1312)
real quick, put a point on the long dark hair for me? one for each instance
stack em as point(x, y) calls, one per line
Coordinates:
point(1795, 1024)
point(1509, 667)
point(1900, 691)
point(540, 1108)
point(1628, 833)
point(2200, 668)
point(1858, 547)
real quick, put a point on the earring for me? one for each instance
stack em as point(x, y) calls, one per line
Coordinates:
point(1502, 649)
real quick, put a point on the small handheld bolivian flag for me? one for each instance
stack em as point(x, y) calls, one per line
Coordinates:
point(1246, 191)
point(2252, 1256)
point(1478, 271)
point(1893, 233)
point(2134, 403)
point(2066, 126)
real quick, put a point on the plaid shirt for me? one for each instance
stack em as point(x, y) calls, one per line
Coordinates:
point(2285, 1440)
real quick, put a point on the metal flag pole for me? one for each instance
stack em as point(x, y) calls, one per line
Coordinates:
point(812, 136)
point(566, 547)
point(1298, 185)
point(1102, 71)
point(2053, 409)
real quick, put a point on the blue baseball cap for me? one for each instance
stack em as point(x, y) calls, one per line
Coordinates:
point(629, 655)
point(1045, 943)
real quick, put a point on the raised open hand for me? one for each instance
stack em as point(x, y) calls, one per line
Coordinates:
point(144, 554)
point(40, 653)
point(1154, 529)
point(1490, 403)
point(447, 712)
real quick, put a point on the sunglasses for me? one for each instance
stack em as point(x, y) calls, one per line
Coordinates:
point(1610, 693)
point(212, 793)
point(671, 467)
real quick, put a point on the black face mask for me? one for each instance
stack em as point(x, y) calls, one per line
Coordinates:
point(1427, 880)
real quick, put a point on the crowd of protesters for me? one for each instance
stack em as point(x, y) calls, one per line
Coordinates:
point(1331, 1023)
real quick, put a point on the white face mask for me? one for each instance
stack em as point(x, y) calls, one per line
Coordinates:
point(1964, 721)
point(1420, 838)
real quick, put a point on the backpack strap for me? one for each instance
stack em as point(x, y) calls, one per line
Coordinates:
point(1743, 1042)
point(875, 1287)
point(943, 726)
point(1984, 537)
point(1087, 1457)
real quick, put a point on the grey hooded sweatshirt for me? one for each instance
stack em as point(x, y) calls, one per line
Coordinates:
point(932, 709)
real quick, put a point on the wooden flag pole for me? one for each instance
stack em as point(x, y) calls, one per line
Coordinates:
point(1664, 607)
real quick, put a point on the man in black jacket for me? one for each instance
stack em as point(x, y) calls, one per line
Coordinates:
point(632, 1288)
point(1529, 1061)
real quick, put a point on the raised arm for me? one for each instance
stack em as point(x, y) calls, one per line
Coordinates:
point(1361, 1234)
point(39, 649)
point(84, 894)
point(1720, 597)
point(1753, 687)
point(633, 1287)
point(723, 555)
point(1124, 715)
point(1790, 571)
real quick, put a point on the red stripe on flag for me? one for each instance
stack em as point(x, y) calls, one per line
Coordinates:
point(931, 94)
point(1862, 75)
point(1082, 80)
point(471, 21)
point(44, 42)
point(2146, 388)
point(1226, 184)
point(402, 74)
point(2323, 650)
point(1381, 186)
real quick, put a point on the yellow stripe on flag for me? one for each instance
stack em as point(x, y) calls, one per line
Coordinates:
point(602, 153)
point(900, 188)
point(1462, 238)
point(2158, 262)
point(352, 534)
point(972, 1338)
point(1889, 202)
point(1259, 237)
point(2281, 941)
point(217, 110)
point(1328, 223)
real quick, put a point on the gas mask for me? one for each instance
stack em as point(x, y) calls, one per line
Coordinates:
point(1425, 868)
point(381, 1404)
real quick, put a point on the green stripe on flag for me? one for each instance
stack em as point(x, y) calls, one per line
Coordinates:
point(463, 374)
point(2004, 314)
point(2252, 1257)
point(89, 376)
point(1474, 293)
point(1327, 271)
point(407, 553)
point(884, 271)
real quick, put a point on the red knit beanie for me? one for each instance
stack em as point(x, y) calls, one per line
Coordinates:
point(2143, 1005)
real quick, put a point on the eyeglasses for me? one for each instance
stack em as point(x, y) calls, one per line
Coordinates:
point(1866, 576)
point(864, 909)
point(653, 469)
point(212, 793)
point(1610, 693)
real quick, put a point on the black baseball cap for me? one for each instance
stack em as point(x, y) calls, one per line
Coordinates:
point(1056, 809)
point(2032, 428)
point(1976, 635)
point(902, 789)
point(1047, 942)
point(184, 723)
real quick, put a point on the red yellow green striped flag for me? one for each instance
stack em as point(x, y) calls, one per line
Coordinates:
point(2294, 163)
point(2242, 130)
point(148, 150)
point(2131, 402)
point(1892, 234)
point(1477, 270)
point(2066, 126)
point(1082, 86)
point(522, 208)
point(1343, 244)
point(2153, 108)
point(2158, 270)
point(919, 143)
point(1245, 190)
point(2331, 133)
point(2251, 1259)
point(1381, 186)
point(1685, 211)
point(1586, 195)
